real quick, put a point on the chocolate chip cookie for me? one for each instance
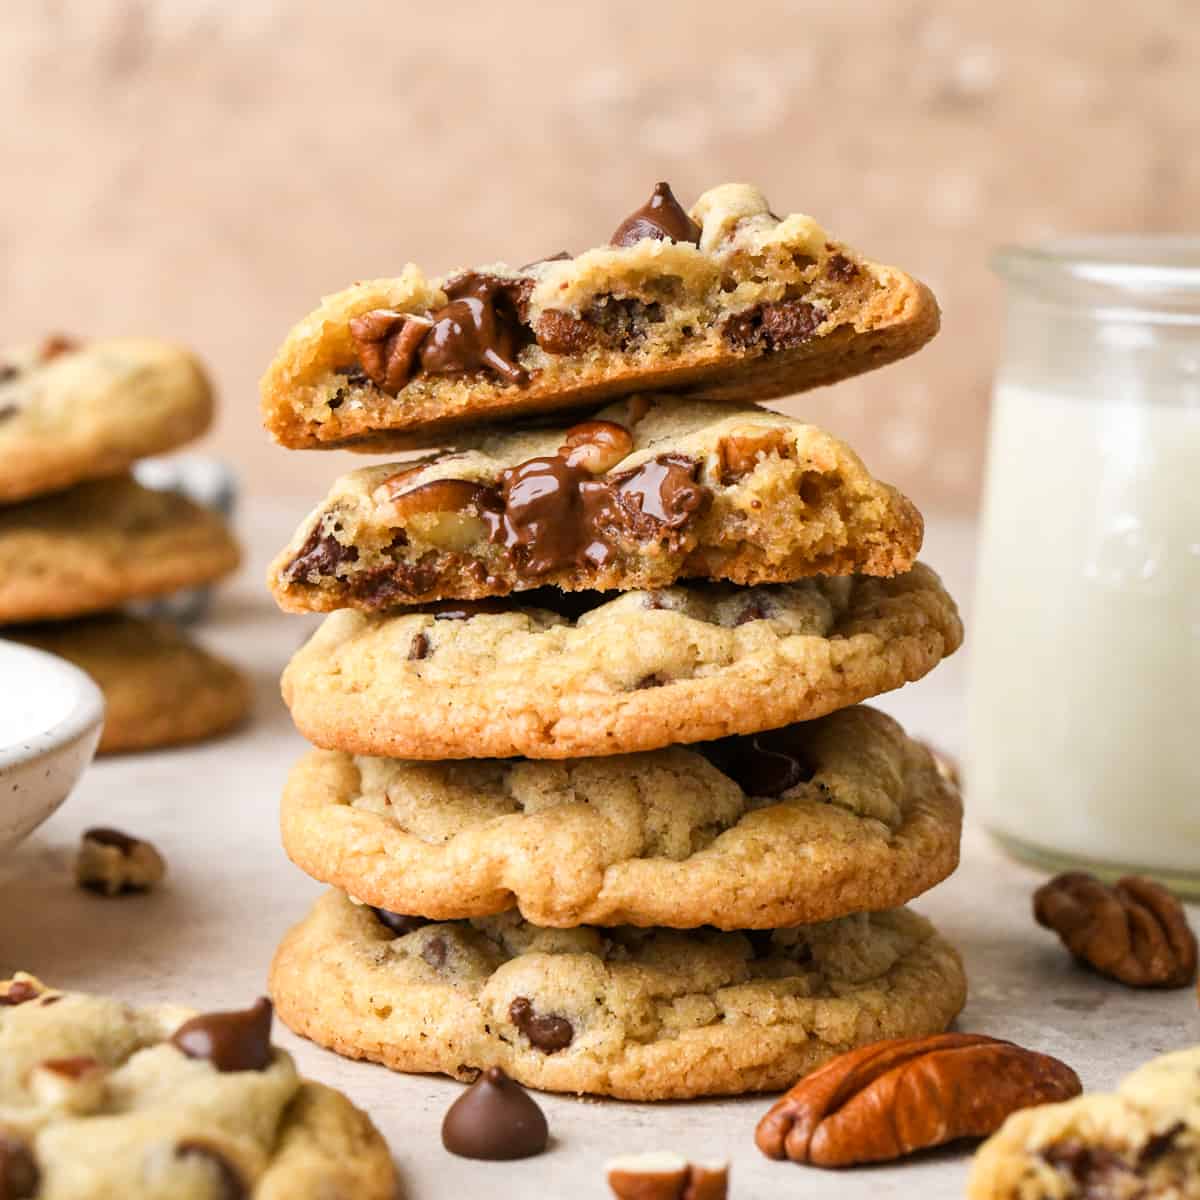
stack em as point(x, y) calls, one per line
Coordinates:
point(99, 1099)
point(1144, 1141)
point(799, 824)
point(71, 411)
point(102, 543)
point(650, 490)
point(599, 675)
point(729, 298)
point(160, 688)
point(642, 1014)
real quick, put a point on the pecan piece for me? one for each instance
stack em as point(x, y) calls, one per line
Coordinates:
point(596, 446)
point(666, 1176)
point(893, 1098)
point(1135, 932)
point(741, 451)
point(387, 343)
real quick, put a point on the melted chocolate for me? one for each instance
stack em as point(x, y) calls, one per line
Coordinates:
point(547, 1034)
point(782, 325)
point(661, 217)
point(321, 553)
point(231, 1041)
point(495, 1119)
point(762, 764)
point(479, 329)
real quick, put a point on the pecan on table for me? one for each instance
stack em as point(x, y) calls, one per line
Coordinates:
point(893, 1098)
point(1135, 932)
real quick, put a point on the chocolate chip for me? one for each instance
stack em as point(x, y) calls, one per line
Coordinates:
point(756, 610)
point(840, 268)
point(546, 1033)
point(231, 1041)
point(495, 1119)
point(762, 764)
point(662, 216)
point(19, 1174)
point(1159, 1146)
point(396, 583)
point(398, 923)
point(112, 837)
point(434, 952)
point(649, 681)
point(778, 326)
point(621, 322)
point(1096, 1170)
point(561, 333)
point(418, 648)
point(229, 1182)
point(320, 555)
point(478, 329)
point(21, 991)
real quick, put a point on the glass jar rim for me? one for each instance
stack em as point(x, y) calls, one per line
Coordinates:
point(1153, 272)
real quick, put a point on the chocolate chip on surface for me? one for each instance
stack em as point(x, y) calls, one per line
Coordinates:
point(112, 863)
point(231, 1041)
point(495, 1119)
point(230, 1184)
point(661, 217)
point(19, 1174)
point(548, 1034)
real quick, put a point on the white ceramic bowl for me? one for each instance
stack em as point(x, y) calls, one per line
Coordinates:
point(50, 719)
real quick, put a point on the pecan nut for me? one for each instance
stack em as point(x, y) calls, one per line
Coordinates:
point(596, 446)
point(743, 449)
point(666, 1176)
point(893, 1098)
point(1135, 932)
point(112, 863)
point(387, 342)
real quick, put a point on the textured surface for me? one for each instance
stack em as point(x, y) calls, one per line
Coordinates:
point(1142, 1141)
point(694, 307)
point(779, 500)
point(91, 411)
point(208, 935)
point(99, 544)
point(663, 838)
point(645, 670)
point(643, 1014)
point(126, 1114)
point(160, 688)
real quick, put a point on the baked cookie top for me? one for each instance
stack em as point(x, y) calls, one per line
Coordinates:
point(1143, 1141)
point(795, 825)
point(643, 1014)
point(690, 663)
point(71, 411)
point(160, 687)
point(729, 298)
point(102, 543)
point(652, 489)
point(99, 1099)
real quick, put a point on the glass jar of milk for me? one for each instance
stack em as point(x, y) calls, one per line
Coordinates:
point(1084, 713)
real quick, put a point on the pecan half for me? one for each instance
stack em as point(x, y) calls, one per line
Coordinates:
point(1135, 932)
point(893, 1098)
point(596, 446)
point(387, 342)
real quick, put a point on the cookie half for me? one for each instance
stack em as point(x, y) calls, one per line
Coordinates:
point(730, 299)
point(801, 824)
point(493, 679)
point(71, 411)
point(160, 688)
point(1144, 1140)
point(103, 1099)
point(641, 1014)
point(650, 490)
point(102, 543)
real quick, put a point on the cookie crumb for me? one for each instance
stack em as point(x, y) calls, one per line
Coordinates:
point(112, 863)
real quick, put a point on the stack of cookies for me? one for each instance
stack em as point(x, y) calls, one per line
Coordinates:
point(590, 783)
point(80, 537)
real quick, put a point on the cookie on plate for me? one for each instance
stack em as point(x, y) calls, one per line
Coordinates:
point(650, 490)
point(71, 411)
point(729, 298)
point(99, 544)
point(99, 1099)
point(642, 1014)
point(160, 688)
point(690, 663)
point(1144, 1141)
point(800, 824)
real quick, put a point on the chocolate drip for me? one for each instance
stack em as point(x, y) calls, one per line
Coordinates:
point(479, 329)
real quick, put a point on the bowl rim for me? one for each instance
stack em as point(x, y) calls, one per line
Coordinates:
point(82, 718)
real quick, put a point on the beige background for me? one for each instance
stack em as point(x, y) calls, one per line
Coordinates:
point(208, 168)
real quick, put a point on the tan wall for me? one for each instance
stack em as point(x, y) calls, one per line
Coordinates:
point(208, 168)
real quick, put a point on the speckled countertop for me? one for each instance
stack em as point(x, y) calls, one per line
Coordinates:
point(206, 937)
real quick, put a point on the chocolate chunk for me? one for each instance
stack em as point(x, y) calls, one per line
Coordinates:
point(398, 923)
point(1097, 1171)
point(321, 554)
point(621, 322)
point(761, 764)
point(547, 1034)
point(662, 494)
point(778, 326)
point(112, 837)
point(231, 1041)
point(479, 329)
point(495, 1119)
point(434, 952)
point(21, 991)
point(661, 217)
point(1159, 1146)
point(840, 269)
point(19, 1174)
point(418, 648)
point(395, 583)
point(229, 1182)
point(561, 333)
